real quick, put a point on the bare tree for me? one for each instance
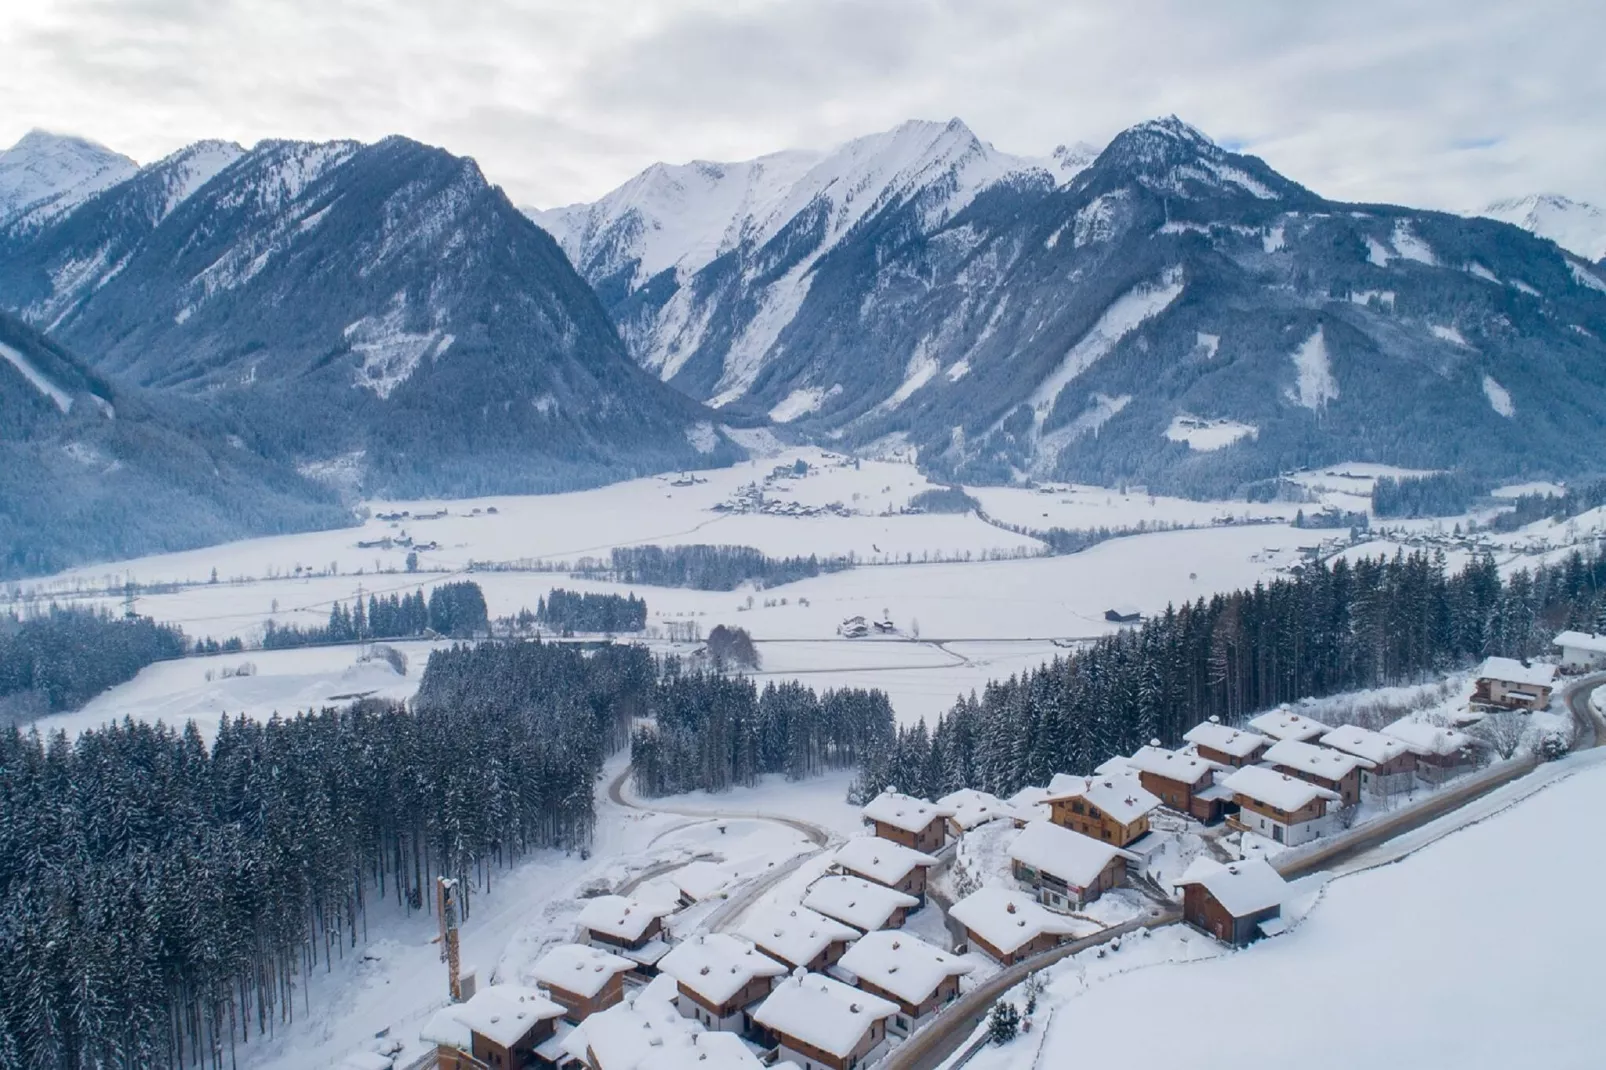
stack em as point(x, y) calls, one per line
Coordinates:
point(1503, 731)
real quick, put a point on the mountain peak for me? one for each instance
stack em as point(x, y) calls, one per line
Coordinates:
point(1576, 226)
point(45, 175)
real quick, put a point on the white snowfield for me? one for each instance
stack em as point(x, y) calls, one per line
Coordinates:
point(40, 381)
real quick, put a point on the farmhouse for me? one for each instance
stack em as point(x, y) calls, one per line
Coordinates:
point(1113, 808)
point(719, 978)
point(1288, 810)
point(885, 862)
point(582, 980)
point(1393, 766)
point(1514, 685)
point(507, 1024)
point(1441, 753)
point(1235, 747)
point(1184, 782)
point(628, 927)
point(1286, 724)
point(860, 903)
point(1334, 770)
point(1237, 902)
point(919, 978)
point(1066, 869)
point(798, 937)
point(1581, 651)
point(819, 1022)
point(904, 819)
point(972, 809)
point(1008, 925)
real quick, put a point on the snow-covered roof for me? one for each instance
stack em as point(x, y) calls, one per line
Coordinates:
point(621, 917)
point(1375, 747)
point(904, 811)
point(1276, 789)
point(1008, 919)
point(897, 962)
point(1324, 762)
point(445, 1028)
point(1241, 887)
point(972, 807)
point(880, 859)
point(716, 966)
point(708, 1051)
point(1118, 764)
point(700, 880)
point(796, 934)
point(366, 1060)
point(1185, 768)
point(822, 1012)
point(1236, 742)
point(504, 1013)
point(1512, 671)
point(579, 968)
point(1030, 802)
point(1286, 724)
point(859, 902)
point(1071, 856)
point(1121, 795)
point(1428, 739)
point(635, 1034)
point(1595, 644)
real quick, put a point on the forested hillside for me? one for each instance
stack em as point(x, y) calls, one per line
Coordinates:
point(62, 659)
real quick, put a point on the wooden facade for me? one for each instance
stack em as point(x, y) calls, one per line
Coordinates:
point(577, 1008)
point(913, 883)
point(1184, 798)
point(928, 839)
point(1221, 757)
point(1036, 946)
point(654, 929)
point(714, 1015)
point(1203, 911)
point(915, 1013)
point(1057, 893)
point(516, 1056)
point(1348, 787)
point(1077, 814)
point(807, 1056)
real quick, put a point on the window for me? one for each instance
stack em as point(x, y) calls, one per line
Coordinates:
point(1077, 808)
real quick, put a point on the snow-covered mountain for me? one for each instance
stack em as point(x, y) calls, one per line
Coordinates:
point(705, 264)
point(1012, 318)
point(382, 311)
point(46, 175)
point(1573, 225)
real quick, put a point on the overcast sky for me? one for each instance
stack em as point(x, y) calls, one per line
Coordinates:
point(1441, 103)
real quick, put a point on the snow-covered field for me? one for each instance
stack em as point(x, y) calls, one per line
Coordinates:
point(1458, 956)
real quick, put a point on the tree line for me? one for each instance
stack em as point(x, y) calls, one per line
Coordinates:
point(1531, 507)
point(711, 568)
point(66, 656)
point(716, 732)
point(571, 611)
point(1437, 494)
point(162, 900)
point(1326, 628)
point(453, 609)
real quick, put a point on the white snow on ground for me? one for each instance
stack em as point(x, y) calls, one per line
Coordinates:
point(1385, 298)
point(1389, 952)
point(1573, 225)
point(1124, 315)
point(45, 175)
point(24, 366)
point(1316, 385)
point(1077, 506)
point(1274, 240)
point(799, 402)
point(389, 351)
point(958, 370)
point(1205, 435)
point(1477, 270)
point(1517, 490)
point(1095, 222)
point(1448, 334)
point(922, 367)
point(1377, 253)
point(1584, 277)
point(1411, 247)
point(1523, 287)
point(1209, 344)
point(1499, 397)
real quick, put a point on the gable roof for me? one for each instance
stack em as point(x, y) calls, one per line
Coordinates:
point(621, 917)
point(579, 968)
point(716, 966)
point(856, 901)
point(1512, 671)
point(1237, 742)
point(1120, 795)
point(1430, 740)
point(1183, 768)
point(972, 807)
point(1324, 762)
point(504, 1013)
point(823, 1012)
point(1243, 888)
point(903, 811)
point(1375, 747)
point(880, 859)
point(708, 1051)
point(1595, 644)
point(795, 934)
point(1008, 919)
point(1286, 724)
point(633, 1034)
point(1074, 858)
point(1287, 793)
point(700, 880)
point(897, 962)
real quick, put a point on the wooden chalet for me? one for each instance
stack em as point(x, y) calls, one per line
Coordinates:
point(632, 928)
point(1506, 683)
point(1581, 651)
point(1233, 747)
point(1278, 806)
point(864, 905)
point(1183, 782)
point(1283, 723)
point(1237, 902)
point(508, 1026)
point(885, 862)
point(1008, 925)
point(1326, 767)
point(904, 819)
point(817, 1021)
point(1113, 808)
point(720, 977)
point(920, 978)
point(1065, 869)
point(1393, 766)
point(797, 937)
point(646, 1030)
point(1441, 753)
point(581, 979)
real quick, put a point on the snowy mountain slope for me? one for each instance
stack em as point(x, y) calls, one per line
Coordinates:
point(46, 175)
point(90, 471)
point(1574, 225)
point(381, 311)
point(1009, 324)
point(705, 264)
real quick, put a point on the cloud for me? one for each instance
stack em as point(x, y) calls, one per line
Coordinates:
point(1446, 103)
